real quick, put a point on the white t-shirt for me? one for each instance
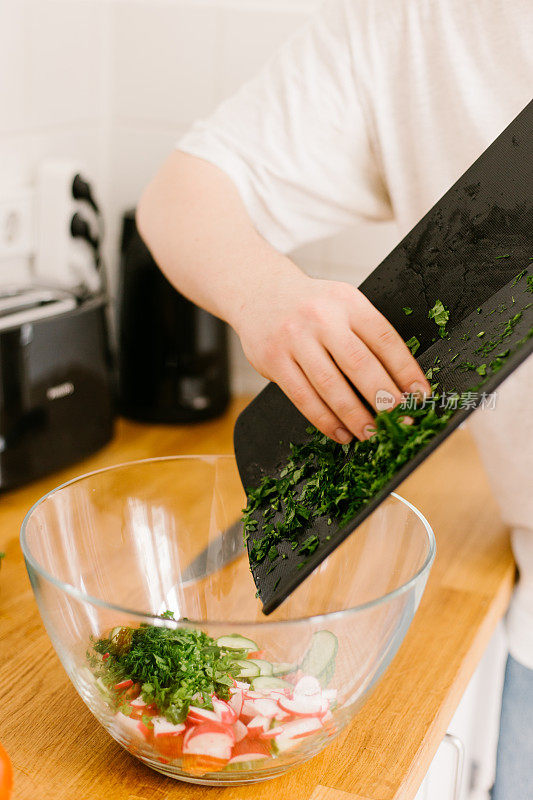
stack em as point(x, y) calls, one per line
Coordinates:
point(374, 109)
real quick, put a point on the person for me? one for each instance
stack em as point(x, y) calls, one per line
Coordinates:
point(373, 109)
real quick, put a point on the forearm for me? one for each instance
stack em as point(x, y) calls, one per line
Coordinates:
point(197, 228)
point(314, 338)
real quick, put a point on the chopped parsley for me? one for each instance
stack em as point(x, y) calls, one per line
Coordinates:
point(519, 277)
point(441, 316)
point(407, 310)
point(323, 479)
point(413, 344)
point(172, 665)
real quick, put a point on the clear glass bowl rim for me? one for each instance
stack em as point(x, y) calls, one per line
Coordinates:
point(160, 621)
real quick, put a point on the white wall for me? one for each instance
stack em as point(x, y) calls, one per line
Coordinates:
point(53, 75)
point(115, 83)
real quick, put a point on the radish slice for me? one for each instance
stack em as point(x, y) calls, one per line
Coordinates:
point(225, 712)
point(197, 715)
point(210, 727)
point(263, 707)
point(162, 727)
point(209, 739)
point(123, 685)
point(313, 725)
point(282, 716)
point(251, 695)
point(277, 696)
point(236, 701)
point(308, 685)
point(240, 731)
point(303, 705)
point(249, 751)
point(134, 729)
point(272, 733)
point(138, 702)
point(257, 726)
point(242, 685)
point(325, 706)
point(294, 731)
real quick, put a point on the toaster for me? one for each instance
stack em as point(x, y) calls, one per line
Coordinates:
point(55, 381)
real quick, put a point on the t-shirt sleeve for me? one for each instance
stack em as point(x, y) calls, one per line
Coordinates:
point(294, 139)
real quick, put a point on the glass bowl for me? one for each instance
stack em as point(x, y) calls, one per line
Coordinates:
point(108, 553)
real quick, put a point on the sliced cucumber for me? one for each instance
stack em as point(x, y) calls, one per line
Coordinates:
point(114, 633)
point(248, 669)
point(265, 667)
point(269, 683)
point(283, 668)
point(319, 659)
point(235, 642)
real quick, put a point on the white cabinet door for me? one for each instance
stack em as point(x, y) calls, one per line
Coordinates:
point(470, 746)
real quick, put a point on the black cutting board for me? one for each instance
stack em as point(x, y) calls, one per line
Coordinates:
point(466, 251)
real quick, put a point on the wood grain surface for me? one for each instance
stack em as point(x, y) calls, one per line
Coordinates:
point(60, 752)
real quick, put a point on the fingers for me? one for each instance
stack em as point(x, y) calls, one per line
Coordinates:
point(333, 388)
point(363, 369)
point(299, 390)
point(387, 344)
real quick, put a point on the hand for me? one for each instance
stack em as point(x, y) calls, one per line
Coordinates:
point(309, 336)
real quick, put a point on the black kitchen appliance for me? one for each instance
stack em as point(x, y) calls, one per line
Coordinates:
point(55, 381)
point(173, 356)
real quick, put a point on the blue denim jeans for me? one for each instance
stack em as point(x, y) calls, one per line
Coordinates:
point(514, 765)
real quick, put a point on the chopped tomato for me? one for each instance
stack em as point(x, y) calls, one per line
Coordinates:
point(256, 654)
point(138, 712)
point(198, 765)
point(132, 692)
point(6, 775)
point(169, 744)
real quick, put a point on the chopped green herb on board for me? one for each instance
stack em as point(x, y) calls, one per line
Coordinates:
point(413, 344)
point(407, 310)
point(331, 482)
point(441, 316)
point(325, 479)
point(519, 277)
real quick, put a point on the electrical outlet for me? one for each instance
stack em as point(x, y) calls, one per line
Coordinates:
point(62, 259)
point(17, 224)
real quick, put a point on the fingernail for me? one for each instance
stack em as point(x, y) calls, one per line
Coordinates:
point(418, 389)
point(343, 435)
point(406, 420)
point(369, 431)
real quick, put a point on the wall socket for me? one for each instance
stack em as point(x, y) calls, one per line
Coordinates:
point(62, 260)
point(17, 228)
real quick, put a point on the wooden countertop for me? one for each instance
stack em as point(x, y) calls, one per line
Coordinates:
point(60, 752)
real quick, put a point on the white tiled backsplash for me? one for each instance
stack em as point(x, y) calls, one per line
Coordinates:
point(113, 83)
